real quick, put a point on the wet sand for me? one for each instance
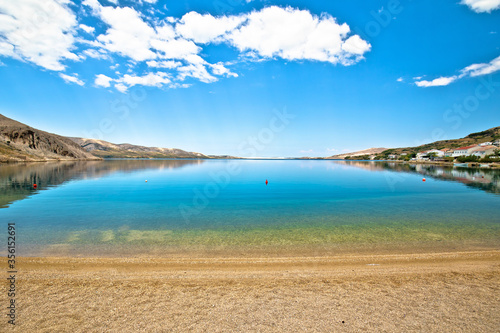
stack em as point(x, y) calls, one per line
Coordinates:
point(425, 292)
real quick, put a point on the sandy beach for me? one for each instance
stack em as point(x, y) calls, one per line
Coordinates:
point(425, 292)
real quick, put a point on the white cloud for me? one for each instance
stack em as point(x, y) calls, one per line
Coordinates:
point(95, 54)
point(439, 82)
point(102, 80)
point(48, 34)
point(41, 32)
point(469, 71)
point(197, 71)
point(482, 69)
point(206, 28)
point(71, 79)
point(297, 34)
point(86, 28)
point(481, 6)
point(400, 79)
point(151, 79)
point(128, 34)
point(164, 64)
point(219, 69)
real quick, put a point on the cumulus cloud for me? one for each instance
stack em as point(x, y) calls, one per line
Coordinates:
point(41, 32)
point(439, 82)
point(48, 34)
point(71, 79)
point(482, 6)
point(206, 28)
point(469, 71)
point(86, 28)
point(164, 64)
point(294, 34)
point(102, 80)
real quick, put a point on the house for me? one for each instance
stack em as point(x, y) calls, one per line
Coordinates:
point(485, 144)
point(497, 143)
point(424, 155)
point(435, 153)
point(463, 151)
point(392, 156)
point(447, 152)
point(484, 151)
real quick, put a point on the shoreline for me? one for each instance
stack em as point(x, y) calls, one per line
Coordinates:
point(446, 292)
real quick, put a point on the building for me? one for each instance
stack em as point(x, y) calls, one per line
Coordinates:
point(463, 151)
point(497, 143)
point(435, 152)
point(425, 155)
point(448, 152)
point(484, 151)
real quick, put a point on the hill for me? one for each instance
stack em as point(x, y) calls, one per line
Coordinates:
point(366, 152)
point(20, 142)
point(491, 134)
point(106, 149)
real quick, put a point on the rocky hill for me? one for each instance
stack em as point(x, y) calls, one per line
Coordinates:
point(125, 150)
point(370, 151)
point(20, 142)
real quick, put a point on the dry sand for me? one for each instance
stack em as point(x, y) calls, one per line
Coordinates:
point(434, 292)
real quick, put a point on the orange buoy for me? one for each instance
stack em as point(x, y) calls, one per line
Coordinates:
point(266, 181)
point(35, 186)
point(146, 180)
point(423, 179)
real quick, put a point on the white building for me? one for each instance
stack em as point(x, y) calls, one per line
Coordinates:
point(484, 151)
point(463, 151)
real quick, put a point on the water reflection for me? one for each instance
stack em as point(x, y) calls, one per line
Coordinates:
point(480, 178)
point(17, 180)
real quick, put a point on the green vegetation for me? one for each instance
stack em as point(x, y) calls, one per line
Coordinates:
point(358, 158)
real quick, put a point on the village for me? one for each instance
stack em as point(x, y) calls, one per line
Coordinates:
point(481, 150)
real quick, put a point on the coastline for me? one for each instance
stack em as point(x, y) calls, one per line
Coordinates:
point(445, 291)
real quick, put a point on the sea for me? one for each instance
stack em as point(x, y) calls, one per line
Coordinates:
point(205, 208)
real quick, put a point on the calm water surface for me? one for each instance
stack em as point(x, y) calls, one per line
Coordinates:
point(224, 206)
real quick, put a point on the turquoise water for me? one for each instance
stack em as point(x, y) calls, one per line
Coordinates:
point(108, 208)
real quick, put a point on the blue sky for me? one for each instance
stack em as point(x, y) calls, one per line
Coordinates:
point(253, 78)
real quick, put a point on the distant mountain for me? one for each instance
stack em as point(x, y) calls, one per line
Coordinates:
point(106, 149)
point(20, 142)
point(369, 152)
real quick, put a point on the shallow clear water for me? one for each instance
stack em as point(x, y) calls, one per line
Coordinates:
point(108, 208)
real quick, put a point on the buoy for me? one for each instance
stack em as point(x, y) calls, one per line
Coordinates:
point(35, 186)
point(423, 179)
point(266, 181)
point(146, 180)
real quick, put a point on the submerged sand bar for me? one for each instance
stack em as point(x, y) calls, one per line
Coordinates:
point(445, 292)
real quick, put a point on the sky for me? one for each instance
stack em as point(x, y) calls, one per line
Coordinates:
point(253, 78)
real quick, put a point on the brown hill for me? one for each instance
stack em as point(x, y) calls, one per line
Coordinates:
point(20, 142)
point(106, 149)
point(369, 152)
